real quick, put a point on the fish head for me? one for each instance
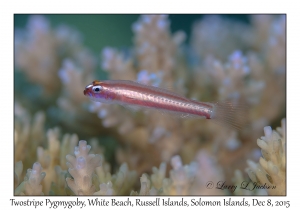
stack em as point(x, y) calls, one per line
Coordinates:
point(94, 90)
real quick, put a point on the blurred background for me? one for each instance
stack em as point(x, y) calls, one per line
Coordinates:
point(100, 31)
point(204, 57)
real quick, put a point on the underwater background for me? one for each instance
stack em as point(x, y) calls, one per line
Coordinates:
point(203, 57)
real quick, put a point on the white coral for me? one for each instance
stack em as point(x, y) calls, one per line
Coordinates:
point(32, 181)
point(105, 189)
point(82, 167)
point(158, 175)
point(271, 169)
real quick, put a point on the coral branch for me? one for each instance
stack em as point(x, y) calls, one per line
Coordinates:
point(271, 169)
point(81, 167)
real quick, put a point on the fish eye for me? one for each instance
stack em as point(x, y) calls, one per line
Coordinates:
point(97, 89)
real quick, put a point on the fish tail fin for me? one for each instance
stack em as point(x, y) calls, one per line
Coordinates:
point(231, 114)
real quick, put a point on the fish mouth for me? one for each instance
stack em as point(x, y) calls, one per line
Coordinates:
point(85, 92)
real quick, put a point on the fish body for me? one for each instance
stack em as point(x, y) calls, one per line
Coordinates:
point(139, 96)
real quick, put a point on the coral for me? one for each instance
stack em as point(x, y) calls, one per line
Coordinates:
point(148, 152)
point(184, 180)
point(105, 189)
point(219, 36)
point(28, 131)
point(271, 169)
point(32, 181)
point(49, 158)
point(242, 182)
point(81, 168)
point(88, 171)
point(54, 59)
point(36, 53)
point(18, 172)
point(123, 180)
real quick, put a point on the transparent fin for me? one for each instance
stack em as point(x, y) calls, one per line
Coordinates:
point(231, 114)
